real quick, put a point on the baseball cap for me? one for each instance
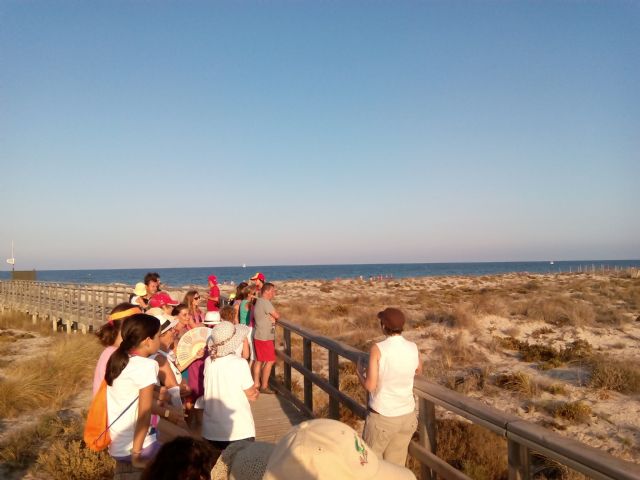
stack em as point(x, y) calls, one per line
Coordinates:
point(258, 276)
point(161, 299)
point(213, 279)
point(140, 290)
point(328, 449)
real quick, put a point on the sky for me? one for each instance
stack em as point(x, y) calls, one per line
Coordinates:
point(168, 134)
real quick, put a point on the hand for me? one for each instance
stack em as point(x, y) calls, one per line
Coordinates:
point(137, 461)
point(200, 353)
point(361, 368)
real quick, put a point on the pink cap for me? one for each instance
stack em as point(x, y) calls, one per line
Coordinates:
point(258, 276)
point(161, 299)
point(213, 279)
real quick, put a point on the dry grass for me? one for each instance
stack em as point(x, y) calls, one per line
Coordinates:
point(620, 375)
point(50, 379)
point(518, 382)
point(474, 450)
point(574, 412)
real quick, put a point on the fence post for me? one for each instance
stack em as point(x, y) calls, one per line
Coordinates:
point(286, 366)
point(518, 461)
point(427, 429)
point(308, 364)
point(334, 380)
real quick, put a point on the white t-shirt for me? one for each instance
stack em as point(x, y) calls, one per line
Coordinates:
point(227, 413)
point(140, 372)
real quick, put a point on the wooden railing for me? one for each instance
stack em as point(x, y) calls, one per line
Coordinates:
point(523, 437)
point(68, 306)
point(83, 307)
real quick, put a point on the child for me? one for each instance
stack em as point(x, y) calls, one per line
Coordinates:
point(131, 377)
point(109, 336)
point(228, 389)
point(213, 302)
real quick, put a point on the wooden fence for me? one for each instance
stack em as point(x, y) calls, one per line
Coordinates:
point(83, 307)
point(523, 437)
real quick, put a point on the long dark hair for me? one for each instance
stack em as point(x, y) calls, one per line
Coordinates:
point(108, 332)
point(135, 329)
point(183, 457)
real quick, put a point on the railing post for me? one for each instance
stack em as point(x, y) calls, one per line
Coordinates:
point(518, 461)
point(427, 428)
point(308, 364)
point(287, 350)
point(334, 380)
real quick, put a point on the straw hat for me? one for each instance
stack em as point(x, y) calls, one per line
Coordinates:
point(226, 338)
point(212, 318)
point(328, 449)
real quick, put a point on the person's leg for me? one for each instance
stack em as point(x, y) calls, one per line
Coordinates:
point(375, 433)
point(404, 428)
point(266, 371)
point(256, 373)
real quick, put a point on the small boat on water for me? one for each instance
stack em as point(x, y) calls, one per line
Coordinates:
point(551, 262)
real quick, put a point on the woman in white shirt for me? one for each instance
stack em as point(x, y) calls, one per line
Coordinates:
point(389, 380)
point(131, 376)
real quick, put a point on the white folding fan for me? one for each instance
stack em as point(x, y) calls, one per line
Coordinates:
point(190, 343)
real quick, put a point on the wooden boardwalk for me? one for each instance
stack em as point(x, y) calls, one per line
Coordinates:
point(274, 416)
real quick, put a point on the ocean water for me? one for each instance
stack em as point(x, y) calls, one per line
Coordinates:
point(179, 277)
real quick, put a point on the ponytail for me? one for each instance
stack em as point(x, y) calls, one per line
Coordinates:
point(108, 333)
point(135, 330)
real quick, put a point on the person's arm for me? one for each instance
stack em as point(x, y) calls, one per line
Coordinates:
point(245, 349)
point(369, 380)
point(275, 315)
point(236, 312)
point(145, 402)
point(165, 374)
point(419, 369)
point(252, 393)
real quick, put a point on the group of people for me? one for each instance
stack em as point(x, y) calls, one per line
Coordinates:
point(155, 399)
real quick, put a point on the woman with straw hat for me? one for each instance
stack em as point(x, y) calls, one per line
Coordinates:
point(228, 388)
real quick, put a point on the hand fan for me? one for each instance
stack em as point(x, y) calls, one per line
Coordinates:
point(190, 343)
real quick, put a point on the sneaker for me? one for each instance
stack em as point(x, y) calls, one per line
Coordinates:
point(267, 391)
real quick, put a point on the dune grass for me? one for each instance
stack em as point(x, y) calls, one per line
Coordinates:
point(51, 377)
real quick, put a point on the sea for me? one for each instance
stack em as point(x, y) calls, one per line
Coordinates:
point(179, 277)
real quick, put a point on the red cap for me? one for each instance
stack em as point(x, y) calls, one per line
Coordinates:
point(258, 276)
point(213, 279)
point(161, 299)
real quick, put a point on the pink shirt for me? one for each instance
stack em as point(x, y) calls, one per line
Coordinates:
point(101, 367)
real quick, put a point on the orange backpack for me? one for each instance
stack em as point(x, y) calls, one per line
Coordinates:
point(96, 430)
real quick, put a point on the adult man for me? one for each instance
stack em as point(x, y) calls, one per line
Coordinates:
point(152, 284)
point(265, 316)
point(258, 282)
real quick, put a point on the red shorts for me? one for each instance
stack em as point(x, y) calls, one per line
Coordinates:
point(265, 350)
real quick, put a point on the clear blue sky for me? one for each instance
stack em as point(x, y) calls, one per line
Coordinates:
point(137, 134)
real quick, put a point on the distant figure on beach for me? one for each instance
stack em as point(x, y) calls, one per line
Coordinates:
point(265, 316)
point(138, 295)
point(109, 336)
point(152, 284)
point(393, 363)
point(213, 301)
point(192, 301)
point(258, 282)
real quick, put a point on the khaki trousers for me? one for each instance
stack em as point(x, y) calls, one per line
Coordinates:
point(389, 437)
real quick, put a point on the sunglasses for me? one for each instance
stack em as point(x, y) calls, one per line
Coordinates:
point(197, 297)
